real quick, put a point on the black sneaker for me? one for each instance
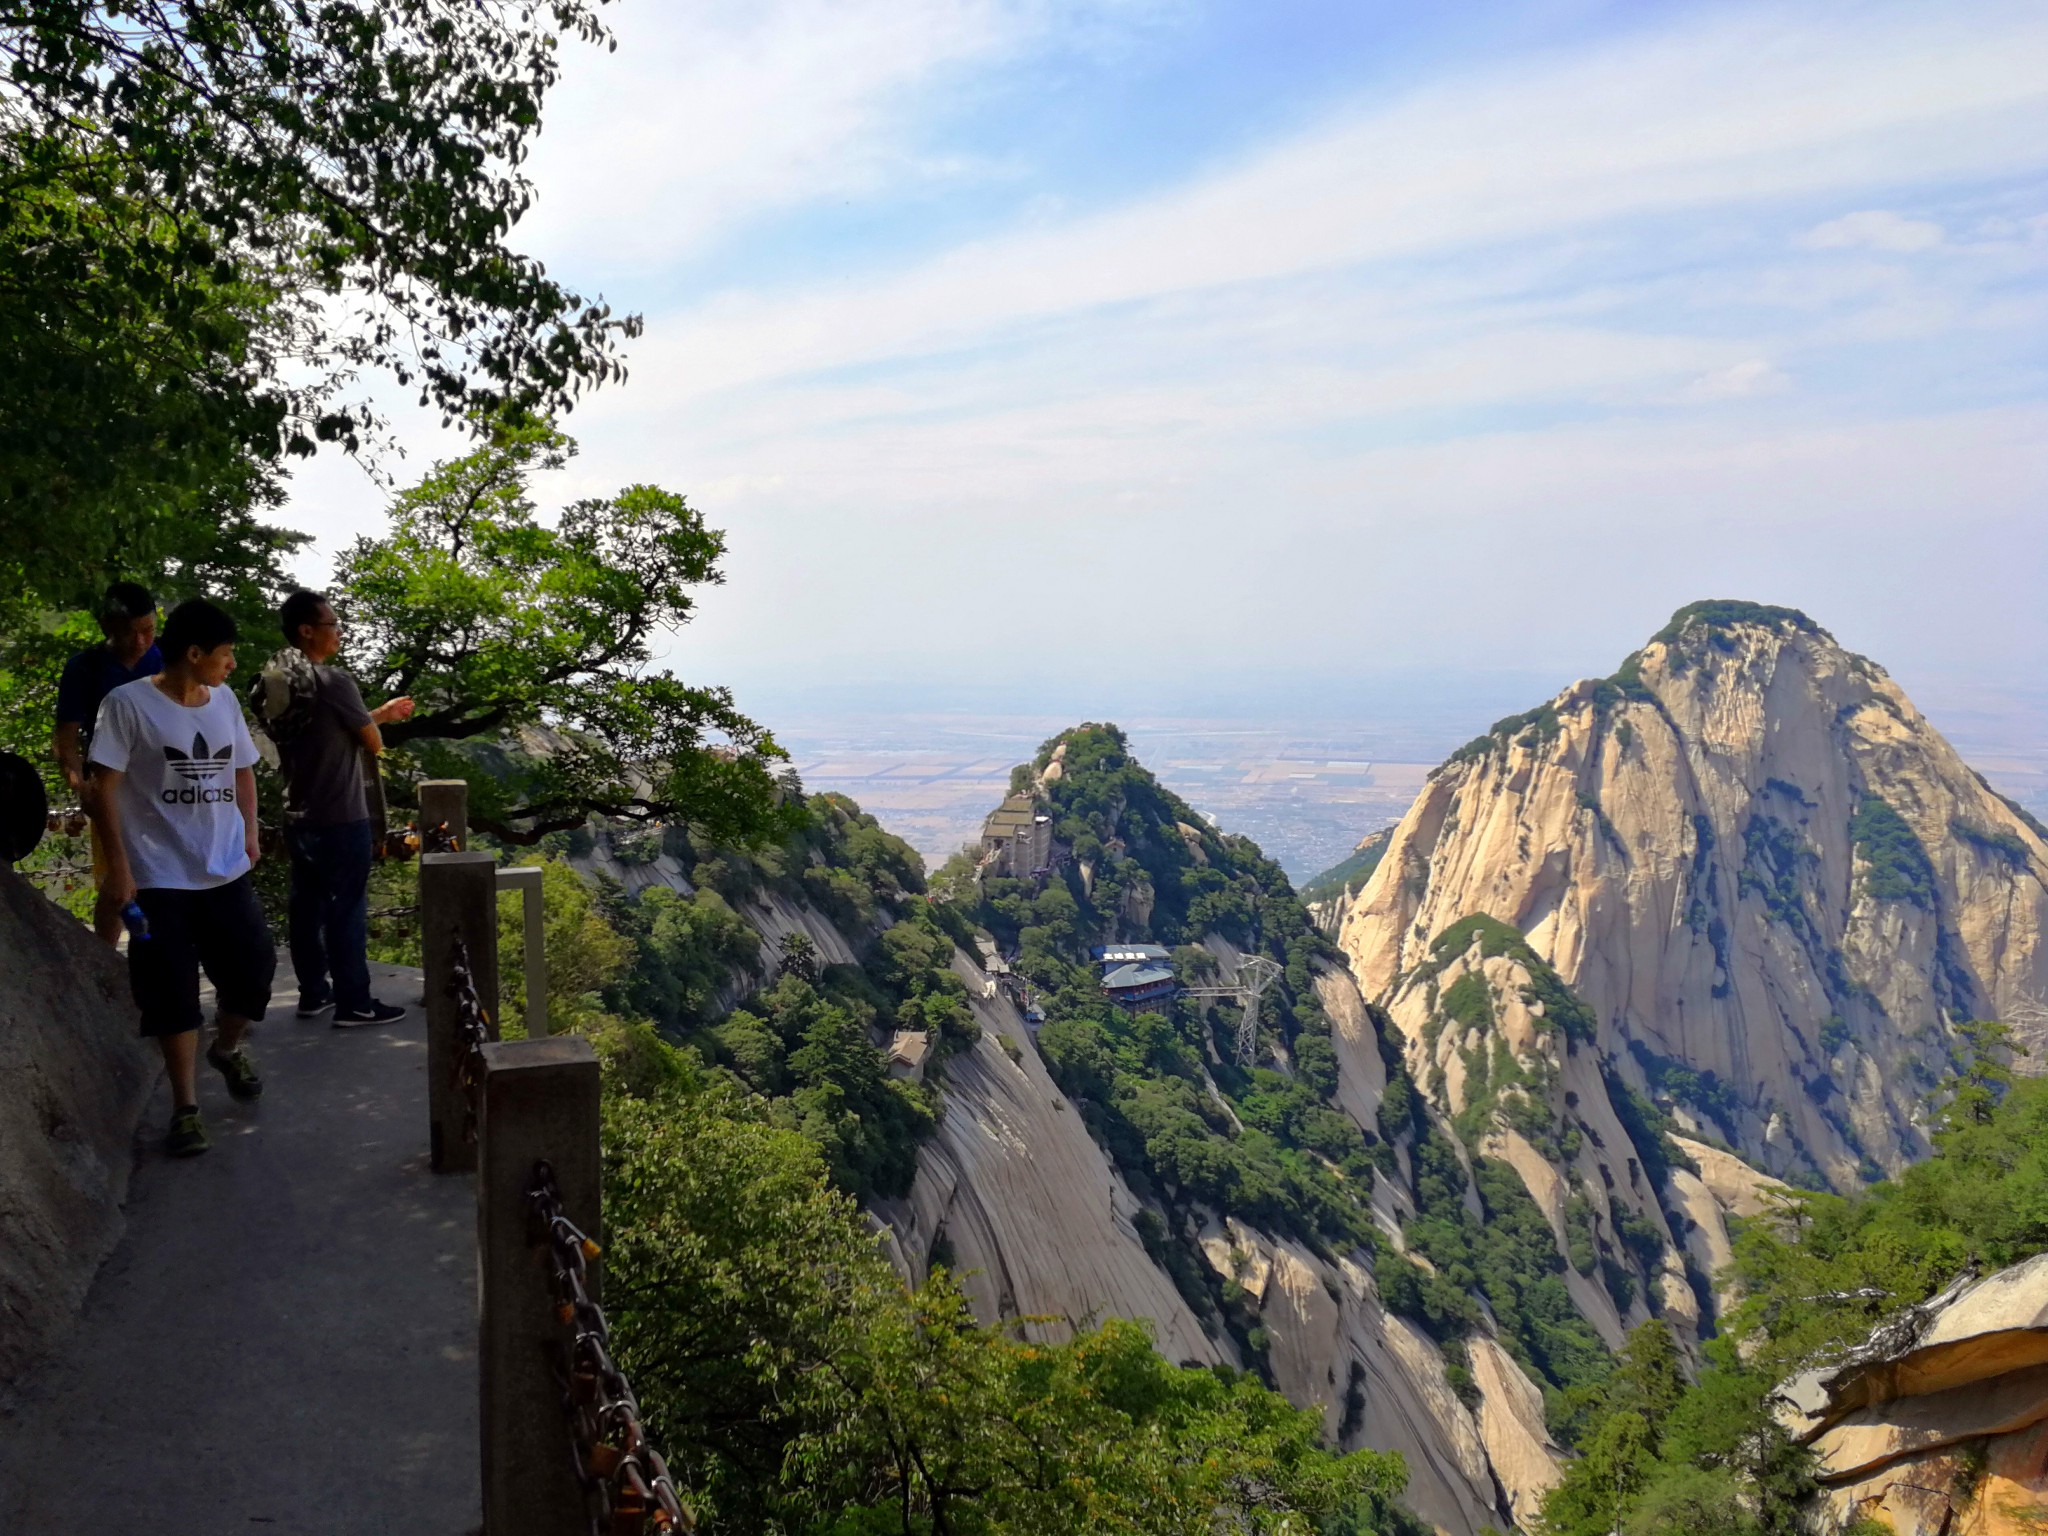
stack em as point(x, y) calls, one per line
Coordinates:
point(376, 1013)
point(238, 1069)
point(188, 1134)
point(312, 1010)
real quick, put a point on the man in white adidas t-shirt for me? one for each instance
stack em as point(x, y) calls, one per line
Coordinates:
point(177, 813)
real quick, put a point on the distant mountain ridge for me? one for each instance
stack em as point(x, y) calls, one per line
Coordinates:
point(1348, 875)
point(1772, 881)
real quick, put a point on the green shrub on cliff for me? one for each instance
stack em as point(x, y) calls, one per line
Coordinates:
point(1716, 616)
point(1896, 866)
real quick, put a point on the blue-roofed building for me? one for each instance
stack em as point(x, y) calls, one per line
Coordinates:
point(1140, 985)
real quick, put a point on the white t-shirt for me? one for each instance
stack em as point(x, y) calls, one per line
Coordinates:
point(179, 820)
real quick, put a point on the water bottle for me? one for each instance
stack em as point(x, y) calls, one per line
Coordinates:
point(136, 921)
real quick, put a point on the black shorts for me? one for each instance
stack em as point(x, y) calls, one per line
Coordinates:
point(220, 930)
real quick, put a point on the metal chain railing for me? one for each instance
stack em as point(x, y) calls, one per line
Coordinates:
point(472, 1034)
point(623, 1476)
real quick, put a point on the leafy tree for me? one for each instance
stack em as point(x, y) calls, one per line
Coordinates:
point(1617, 1456)
point(217, 213)
point(799, 956)
point(229, 557)
point(1699, 1501)
point(1975, 1091)
point(1836, 1265)
point(687, 951)
point(498, 625)
point(126, 417)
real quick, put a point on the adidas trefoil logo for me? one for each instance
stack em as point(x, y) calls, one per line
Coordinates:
point(203, 763)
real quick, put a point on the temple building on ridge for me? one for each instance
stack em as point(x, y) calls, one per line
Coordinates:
point(1016, 840)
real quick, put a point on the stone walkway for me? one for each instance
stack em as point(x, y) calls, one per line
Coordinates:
point(285, 1339)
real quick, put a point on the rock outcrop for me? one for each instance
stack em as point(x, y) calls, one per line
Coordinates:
point(1939, 1422)
point(73, 1080)
point(1505, 1052)
point(1040, 1225)
point(1379, 1381)
point(1038, 1222)
point(1525, 1460)
point(1775, 884)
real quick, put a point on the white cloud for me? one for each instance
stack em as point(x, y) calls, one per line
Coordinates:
point(1715, 115)
point(1876, 229)
point(729, 490)
point(1755, 376)
point(713, 112)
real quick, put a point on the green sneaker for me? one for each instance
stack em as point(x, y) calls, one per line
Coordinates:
point(238, 1069)
point(188, 1134)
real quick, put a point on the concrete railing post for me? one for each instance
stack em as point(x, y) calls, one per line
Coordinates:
point(540, 1104)
point(445, 801)
point(529, 881)
point(458, 902)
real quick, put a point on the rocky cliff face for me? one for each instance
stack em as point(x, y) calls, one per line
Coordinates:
point(1037, 1221)
point(1507, 1053)
point(1774, 884)
point(1389, 1333)
point(1040, 1224)
point(73, 1078)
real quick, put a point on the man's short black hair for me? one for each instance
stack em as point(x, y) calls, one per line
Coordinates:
point(300, 609)
point(196, 622)
point(125, 602)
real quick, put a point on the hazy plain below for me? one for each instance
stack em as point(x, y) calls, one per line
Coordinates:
point(1306, 786)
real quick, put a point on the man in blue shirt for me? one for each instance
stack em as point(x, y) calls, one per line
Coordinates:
point(128, 620)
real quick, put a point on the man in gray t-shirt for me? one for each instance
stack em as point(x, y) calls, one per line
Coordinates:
point(323, 764)
point(327, 825)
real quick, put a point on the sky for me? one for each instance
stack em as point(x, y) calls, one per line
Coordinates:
point(1079, 350)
